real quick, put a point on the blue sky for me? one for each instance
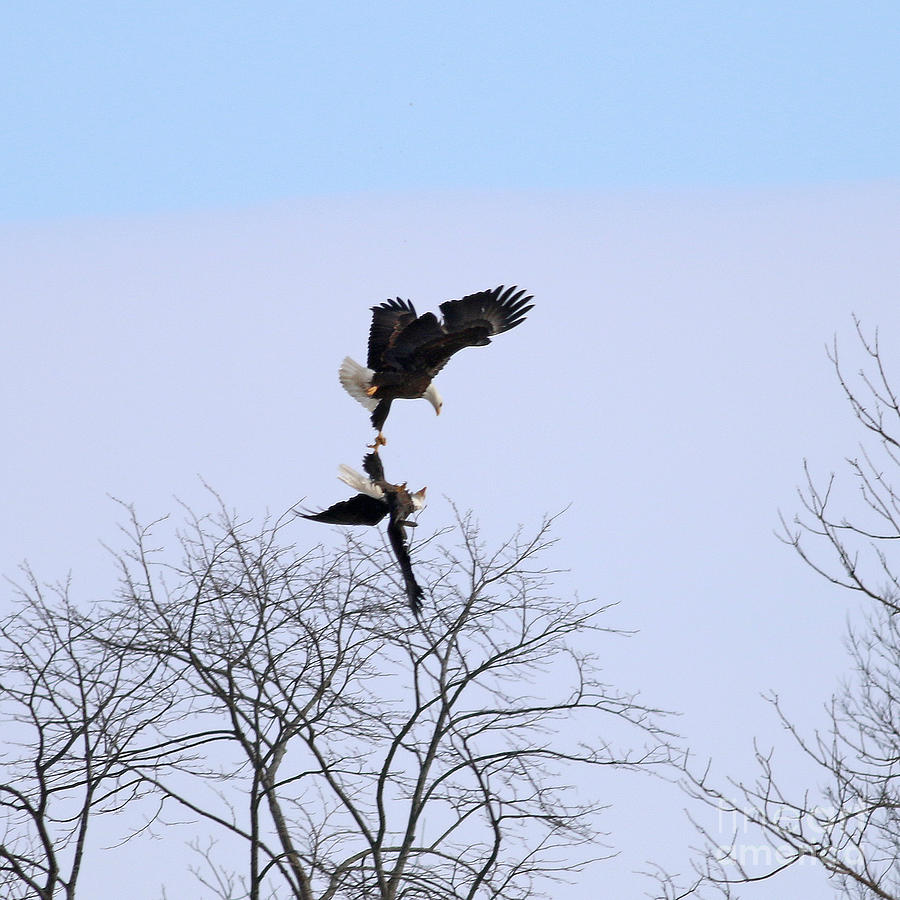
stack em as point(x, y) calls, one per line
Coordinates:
point(119, 108)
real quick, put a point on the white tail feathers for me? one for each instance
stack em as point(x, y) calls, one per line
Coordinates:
point(356, 380)
point(360, 483)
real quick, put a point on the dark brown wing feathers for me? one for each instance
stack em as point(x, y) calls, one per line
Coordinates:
point(374, 468)
point(414, 593)
point(359, 510)
point(400, 341)
point(388, 320)
point(403, 352)
point(496, 311)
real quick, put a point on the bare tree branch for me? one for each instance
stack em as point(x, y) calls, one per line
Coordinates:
point(850, 827)
point(287, 700)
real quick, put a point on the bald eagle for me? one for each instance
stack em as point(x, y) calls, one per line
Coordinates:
point(376, 499)
point(406, 350)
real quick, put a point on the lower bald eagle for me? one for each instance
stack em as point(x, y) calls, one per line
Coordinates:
point(406, 350)
point(376, 499)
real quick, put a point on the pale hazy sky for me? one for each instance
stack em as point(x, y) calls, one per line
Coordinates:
point(200, 203)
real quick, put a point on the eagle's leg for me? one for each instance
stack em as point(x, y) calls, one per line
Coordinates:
point(380, 441)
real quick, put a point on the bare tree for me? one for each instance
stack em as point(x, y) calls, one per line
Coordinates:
point(850, 828)
point(74, 716)
point(298, 711)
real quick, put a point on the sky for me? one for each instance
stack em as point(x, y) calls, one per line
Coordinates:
point(135, 108)
point(201, 202)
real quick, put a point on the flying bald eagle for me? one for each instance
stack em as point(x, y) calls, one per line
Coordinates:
point(406, 350)
point(376, 499)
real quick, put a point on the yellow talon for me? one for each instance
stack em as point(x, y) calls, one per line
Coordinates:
point(372, 391)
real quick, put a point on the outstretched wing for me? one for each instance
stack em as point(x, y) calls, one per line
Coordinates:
point(425, 345)
point(488, 312)
point(414, 594)
point(358, 510)
point(388, 320)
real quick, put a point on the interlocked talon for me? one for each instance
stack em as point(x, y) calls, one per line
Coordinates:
point(380, 441)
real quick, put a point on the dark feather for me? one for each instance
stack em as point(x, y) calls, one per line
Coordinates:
point(380, 413)
point(497, 310)
point(425, 345)
point(359, 510)
point(406, 351)
point(414, 594)
point(388, 319)
point(401, 353)
point(373, 467)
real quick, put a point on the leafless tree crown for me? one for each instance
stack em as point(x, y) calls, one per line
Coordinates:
point(286, 702)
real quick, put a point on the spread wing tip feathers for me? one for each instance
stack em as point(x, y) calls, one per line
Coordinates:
point(505, 306)
point(397, 304)
point(516, 304)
